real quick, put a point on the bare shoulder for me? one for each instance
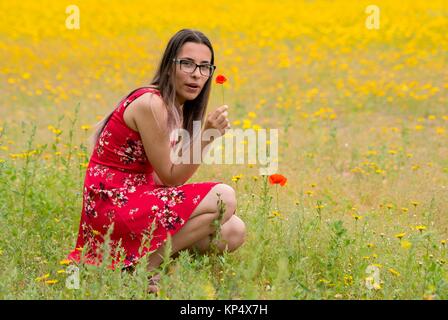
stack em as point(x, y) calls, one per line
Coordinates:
point(147, 105)
point(150, 102)
point(150, 107)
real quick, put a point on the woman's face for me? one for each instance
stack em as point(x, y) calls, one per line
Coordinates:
point(199, 54)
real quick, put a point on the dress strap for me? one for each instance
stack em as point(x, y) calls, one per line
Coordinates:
point(137, 93)
point(119, 111)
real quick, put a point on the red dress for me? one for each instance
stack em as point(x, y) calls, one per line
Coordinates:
point(120, 194)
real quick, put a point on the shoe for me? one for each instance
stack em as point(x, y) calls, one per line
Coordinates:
point(153, 284)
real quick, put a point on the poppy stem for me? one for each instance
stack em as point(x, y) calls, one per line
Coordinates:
point(222, 93)
point(276, 190)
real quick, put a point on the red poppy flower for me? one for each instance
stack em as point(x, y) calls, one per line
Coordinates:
point(277, 179)
point(220, 79)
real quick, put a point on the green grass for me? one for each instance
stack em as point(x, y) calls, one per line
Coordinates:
point(305, 252)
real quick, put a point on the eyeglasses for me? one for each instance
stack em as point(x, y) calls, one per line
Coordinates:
point(188, 66)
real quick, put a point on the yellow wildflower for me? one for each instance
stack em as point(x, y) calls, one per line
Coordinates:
point(65, 262)
point(247, 123)
point(394, 272)
point(251, 114)
point(276, 213)
point(419, 127)
point(45, 276)
point(405, 244)
point(348, 280)
point(400, 235)
point(420, 228)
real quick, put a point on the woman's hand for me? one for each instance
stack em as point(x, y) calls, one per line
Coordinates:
point(218, 119)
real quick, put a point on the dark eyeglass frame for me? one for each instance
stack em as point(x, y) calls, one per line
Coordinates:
point(213, 67)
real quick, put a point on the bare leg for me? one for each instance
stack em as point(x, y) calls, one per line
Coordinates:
point(194, 230)
point(198, 227)
point(232, 233)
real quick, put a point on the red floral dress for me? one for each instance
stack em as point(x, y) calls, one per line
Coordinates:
point(121, 197)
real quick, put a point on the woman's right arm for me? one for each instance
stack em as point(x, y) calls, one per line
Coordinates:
point(150, 119)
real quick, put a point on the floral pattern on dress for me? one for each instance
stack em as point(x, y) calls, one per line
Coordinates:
point(131, 151)
point(169, 195)
point(90, 236)
point(166, 216)
point(99, 170)
point(131, 181)
point(116, 195)
point(89, 203)
point(196, 199)
point(110, 214)
point(103, 141)
point(132, 212)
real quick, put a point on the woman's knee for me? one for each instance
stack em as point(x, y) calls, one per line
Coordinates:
point(210, 203)
point(233, 235)
point(234, 232)
point(228, 196)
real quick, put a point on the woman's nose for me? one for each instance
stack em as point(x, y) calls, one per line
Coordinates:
point(196, 73)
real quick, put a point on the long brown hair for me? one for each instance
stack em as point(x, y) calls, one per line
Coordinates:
point(163, 80)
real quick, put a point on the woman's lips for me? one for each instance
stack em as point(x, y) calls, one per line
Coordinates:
point(192, 88)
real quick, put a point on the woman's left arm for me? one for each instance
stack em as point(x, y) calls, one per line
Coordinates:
point(156, 178)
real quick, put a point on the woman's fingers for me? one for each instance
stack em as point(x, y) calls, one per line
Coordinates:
point(219, 111)
point(218, 119)
point(222, 117)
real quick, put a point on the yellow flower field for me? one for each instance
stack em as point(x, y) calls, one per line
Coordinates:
point(362, 116)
